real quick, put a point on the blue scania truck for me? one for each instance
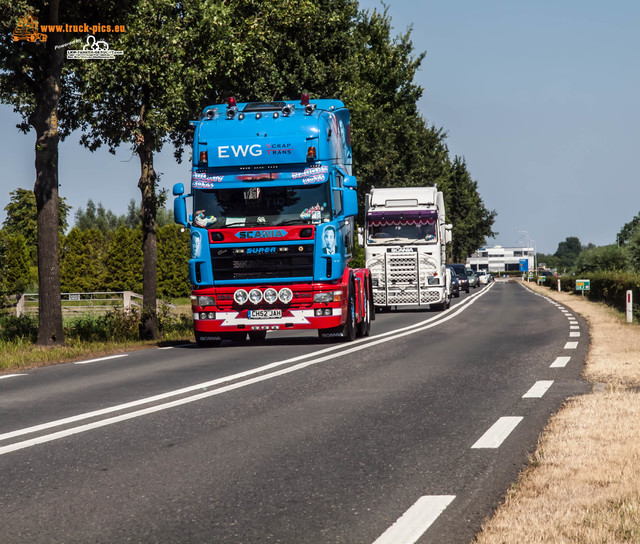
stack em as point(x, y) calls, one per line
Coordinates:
point(272, 206)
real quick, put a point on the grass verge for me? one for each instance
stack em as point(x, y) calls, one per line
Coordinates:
point(85, 337)
point(582, 482)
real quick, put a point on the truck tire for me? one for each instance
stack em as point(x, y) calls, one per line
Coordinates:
point(364, 327)
point(350, 329)
point(346, 332)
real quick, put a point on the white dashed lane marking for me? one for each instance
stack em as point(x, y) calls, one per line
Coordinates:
point(415, 521)
point(538, 389)
point(498, 432)
point(560, 362)
point(571, 345)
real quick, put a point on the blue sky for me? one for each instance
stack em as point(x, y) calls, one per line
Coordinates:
point(540, 98)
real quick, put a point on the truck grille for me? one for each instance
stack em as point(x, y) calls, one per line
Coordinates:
point(402, 268)
point(402, 282)
point(290, 261)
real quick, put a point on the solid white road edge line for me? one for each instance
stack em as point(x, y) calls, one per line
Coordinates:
point(538, 390)
point(415, 521)
point(46, 438)
point(3, 376)
point(498, 432)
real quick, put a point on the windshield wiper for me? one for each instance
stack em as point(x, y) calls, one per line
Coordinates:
point(246, 224)
point(292, 222)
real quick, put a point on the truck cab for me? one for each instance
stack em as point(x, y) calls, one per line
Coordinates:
point(405, 247)
point(273, 201)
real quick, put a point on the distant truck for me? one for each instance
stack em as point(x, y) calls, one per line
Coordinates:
point(405, 247)
point(272, 222)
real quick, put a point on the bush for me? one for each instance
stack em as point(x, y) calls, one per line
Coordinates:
point(116, 325)
point(12, 327)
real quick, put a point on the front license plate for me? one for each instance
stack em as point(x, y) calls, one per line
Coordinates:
point(264, 314)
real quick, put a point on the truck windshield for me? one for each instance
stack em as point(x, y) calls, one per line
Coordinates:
point(262, 206)
point(389, 233)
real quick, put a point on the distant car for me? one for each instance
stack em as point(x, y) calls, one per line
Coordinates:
point(483, 277)
point(473, 279)
point(455, 284)
point(461, 272)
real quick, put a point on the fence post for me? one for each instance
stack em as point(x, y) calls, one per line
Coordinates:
point(559, 285)
point(126, 301)
point(629, 306)
point(20, 306)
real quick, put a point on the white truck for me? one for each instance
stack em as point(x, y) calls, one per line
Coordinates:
point(405, 244)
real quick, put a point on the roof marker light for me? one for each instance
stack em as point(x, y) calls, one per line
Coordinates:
point(304, 99)
point(232, 108)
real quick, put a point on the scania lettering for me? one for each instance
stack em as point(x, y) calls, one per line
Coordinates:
point(405, 242)
point(273, 201)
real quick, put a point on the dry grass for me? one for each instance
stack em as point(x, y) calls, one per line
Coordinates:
point(583, 482)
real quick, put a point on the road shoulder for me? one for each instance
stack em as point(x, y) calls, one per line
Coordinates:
point(580, 485)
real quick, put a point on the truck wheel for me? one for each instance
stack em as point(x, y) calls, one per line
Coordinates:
point(347, 331)
point(258, 337)
point(364, 327)
point(350, 327)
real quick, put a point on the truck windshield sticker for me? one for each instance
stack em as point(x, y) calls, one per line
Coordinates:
point(313, 171)
point(329, 245)
point(202, 180)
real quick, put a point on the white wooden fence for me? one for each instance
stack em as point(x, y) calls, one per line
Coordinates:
point(87, 303)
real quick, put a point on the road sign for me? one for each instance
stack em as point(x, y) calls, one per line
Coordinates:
point(524, 265)
point(583, 285)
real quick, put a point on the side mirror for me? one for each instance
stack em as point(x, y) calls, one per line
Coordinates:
point(350, 182)
point(350, 202)
point(180, 211)
point(447, 233)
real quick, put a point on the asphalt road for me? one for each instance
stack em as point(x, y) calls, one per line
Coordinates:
point(411, 435)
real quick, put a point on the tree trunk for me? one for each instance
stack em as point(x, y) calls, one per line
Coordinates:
point(45, 121)
point(147, 185)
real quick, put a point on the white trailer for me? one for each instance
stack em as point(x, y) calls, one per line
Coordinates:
point(405, 247)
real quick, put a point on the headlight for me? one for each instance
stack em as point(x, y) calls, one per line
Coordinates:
point(270, 295)
point(255, 296)
point(433, 280)
point(285, 295)
point(241, 296)
point(206, 301)
point(331, 296)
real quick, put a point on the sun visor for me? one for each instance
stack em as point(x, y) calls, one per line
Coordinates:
point(203, 179)
point(396, 217)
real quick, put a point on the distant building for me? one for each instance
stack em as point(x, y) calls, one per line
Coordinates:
point(501, 259)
